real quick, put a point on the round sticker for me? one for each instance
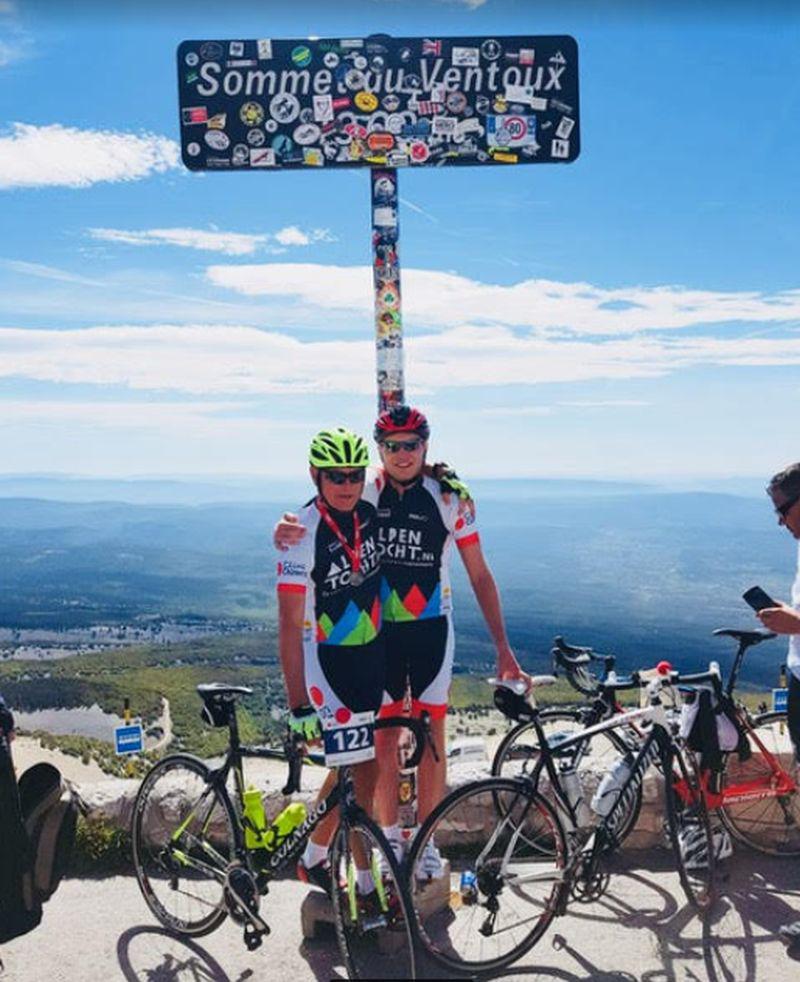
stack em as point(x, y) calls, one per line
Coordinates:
point(217, 140)
point(500, 105)
point(383, 187)
point(413, 82)
point(281, 144)
point(306, 134)
point(211, 50)
point(193, 149)
point(307, 115)
point(354, 80)
point(301, 55)
point(285, 107)
point(395, 123)
point(192, 58)
point(419, 152)
point(270, 126)
point(359, 62)
point(330, 59)
point(377, 63)
point(491, 50)
point(391, 102)
point(482, 104)
point(456, 102)
point(240, 155)
point(367, 102)
point(251, 114)
point(256, 138)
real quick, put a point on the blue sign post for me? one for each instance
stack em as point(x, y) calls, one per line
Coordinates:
point(129, 739)
point(780, 700)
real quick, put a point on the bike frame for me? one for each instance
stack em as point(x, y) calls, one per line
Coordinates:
point(658, 746)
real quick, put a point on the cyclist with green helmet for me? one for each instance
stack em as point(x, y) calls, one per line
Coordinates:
point(329, 613)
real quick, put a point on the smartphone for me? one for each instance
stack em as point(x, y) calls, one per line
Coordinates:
point(758, 599)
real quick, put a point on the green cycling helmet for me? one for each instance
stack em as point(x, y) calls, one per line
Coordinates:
point(338, 448)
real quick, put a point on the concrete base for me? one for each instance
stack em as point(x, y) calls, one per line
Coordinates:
point(316, 911)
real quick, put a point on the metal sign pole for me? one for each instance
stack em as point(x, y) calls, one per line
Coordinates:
point(386, 281)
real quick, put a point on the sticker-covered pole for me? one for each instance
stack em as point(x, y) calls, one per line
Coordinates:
point(386, 279)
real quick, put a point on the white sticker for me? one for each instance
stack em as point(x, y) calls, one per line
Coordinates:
point(466, 57)
point(438, 92)
point(236, 49)
point(217, 140)
point(444, 125)
point(351, 742)
point(265, 157)
point(565, 127)
point(524, 94)
point(323, 108)
point(385, 217)
point(264, 49)
point(559, 148)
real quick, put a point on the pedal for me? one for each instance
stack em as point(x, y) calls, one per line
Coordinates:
point(254, 937)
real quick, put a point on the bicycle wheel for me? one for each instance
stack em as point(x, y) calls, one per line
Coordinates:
point(518, 753)
point(767, 822)
point(183, 838)
point(499, 887)
point(690, 830)
point(374, 926)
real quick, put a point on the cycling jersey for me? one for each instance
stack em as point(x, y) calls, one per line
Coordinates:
point(416, 530)
point(343, 653)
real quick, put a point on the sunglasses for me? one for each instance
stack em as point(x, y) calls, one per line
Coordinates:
point(344, 477)
point(784, 509)
point(395, 446)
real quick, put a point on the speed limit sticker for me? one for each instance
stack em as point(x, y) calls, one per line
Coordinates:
point(510, 131)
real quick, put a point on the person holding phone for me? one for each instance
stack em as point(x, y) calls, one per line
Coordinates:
point(783, 618)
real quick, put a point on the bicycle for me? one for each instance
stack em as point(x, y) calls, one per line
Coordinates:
point(518, 751)
point(757, 797)
point(514, 868)
point(195, 869)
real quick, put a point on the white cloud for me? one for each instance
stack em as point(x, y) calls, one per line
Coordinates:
point(41, 156)
point(236, 360)
point(444, 299)
point(230, 243)
point(212, 240)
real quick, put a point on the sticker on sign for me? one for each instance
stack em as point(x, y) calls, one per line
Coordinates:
point(510, 131)
point(129, 739)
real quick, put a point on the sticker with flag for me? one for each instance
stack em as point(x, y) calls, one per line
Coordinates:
point(427, 108)
point(431, 47)
point(194, 114)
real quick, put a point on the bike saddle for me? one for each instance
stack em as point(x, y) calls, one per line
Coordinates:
point(221, 689)
point(745, 637)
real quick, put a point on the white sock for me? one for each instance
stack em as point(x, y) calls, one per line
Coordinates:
point(314, 854)
point(364, 882)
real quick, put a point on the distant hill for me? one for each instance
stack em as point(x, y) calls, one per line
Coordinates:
point(644, 572)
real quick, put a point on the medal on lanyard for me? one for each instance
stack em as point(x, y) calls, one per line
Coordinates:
point(353, 552)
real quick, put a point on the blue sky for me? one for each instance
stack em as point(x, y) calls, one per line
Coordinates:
point(635, 314)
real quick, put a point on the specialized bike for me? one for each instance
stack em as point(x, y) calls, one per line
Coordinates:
point(756, 793)
point(194, 867)
point(514, 859)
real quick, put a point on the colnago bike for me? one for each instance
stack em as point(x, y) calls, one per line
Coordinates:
point(194, 867)
point(514, 860)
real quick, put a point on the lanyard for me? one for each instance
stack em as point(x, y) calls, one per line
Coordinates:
point(353, 552)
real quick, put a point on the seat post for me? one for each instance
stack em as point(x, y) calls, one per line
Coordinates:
point(737, 664)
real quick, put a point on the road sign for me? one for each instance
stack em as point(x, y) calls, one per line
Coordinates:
point(378, 102)
point(129, 739)
point(780, 700)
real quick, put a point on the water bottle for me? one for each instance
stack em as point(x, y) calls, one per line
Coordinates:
point(468, 887)
point(609, 788)
point(572, 788)
point(255, 824)
point(289, 819)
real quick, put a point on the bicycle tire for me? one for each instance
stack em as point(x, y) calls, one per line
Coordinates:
point(175, 782)
point(518, 752)
point(769, 825)
point(690, 832)
point(474, 839)
point(386, 950)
